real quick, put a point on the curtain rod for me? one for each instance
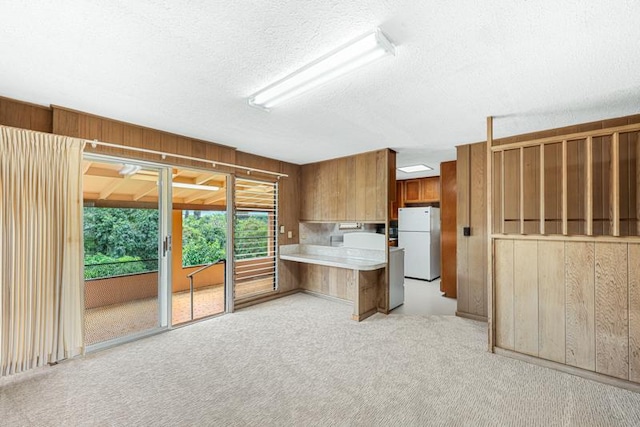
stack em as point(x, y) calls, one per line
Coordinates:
point(94, 143)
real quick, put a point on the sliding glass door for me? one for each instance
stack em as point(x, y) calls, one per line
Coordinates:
point(155, 247)
point(126, 248)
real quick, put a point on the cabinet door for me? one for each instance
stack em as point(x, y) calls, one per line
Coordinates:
point(412, 190)
point(430, 189)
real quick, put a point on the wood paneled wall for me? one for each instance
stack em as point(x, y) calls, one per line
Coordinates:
point(25, 115)
point(81, 125)
point(88, 126)
point(289, 217)
point(355, 188)
point(471, 250)
point(64, 121)
point(570, 295)
point(571, 302)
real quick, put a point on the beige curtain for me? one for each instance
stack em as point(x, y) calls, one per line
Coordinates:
point(41, 285)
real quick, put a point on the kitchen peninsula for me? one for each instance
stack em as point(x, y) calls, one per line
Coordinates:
point(351, 274)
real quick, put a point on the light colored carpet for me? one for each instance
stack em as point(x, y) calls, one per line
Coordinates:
point(300, 360)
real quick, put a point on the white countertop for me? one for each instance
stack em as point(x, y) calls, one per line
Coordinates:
point(351, 258)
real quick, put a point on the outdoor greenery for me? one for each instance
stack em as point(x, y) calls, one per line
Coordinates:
point(125, 241)
point(251, 235)
point(119, 241)
point(203, 237)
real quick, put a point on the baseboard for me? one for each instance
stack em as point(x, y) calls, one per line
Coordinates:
point(248, 303)
point(471, 316)
point(361, 317)
point(325, 296)
point(594, 376)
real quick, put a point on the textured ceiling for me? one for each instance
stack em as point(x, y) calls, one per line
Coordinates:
point(188, 66)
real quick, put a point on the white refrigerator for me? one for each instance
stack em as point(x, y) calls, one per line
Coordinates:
point(419, 235)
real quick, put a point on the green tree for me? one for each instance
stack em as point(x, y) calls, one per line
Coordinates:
point(203, 237)
point(119, 240)
point(251, 235)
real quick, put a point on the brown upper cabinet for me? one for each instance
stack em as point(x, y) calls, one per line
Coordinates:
point(422, 190)
point(355, 188)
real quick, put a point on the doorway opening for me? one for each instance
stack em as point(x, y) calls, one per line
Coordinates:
point(199, 244)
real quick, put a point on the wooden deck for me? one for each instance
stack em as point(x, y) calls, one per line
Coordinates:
point(130, 317)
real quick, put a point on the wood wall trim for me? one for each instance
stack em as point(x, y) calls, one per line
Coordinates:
point(542, 192)
point(565, 186)
point(594, 376)
point(471, 316)
point(521, 201)
point(561, 238)
point(260, 299)
point(502, 187)
point(569, 137)
point(491, 291)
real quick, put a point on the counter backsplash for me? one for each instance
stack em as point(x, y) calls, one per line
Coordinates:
point(327, 234)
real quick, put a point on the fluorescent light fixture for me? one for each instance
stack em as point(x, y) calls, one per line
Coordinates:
point(127, 170)
point(195, 186)
point(356, 53)
point(415, 168)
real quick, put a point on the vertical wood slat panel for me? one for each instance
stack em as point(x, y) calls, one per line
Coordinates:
point(361, 184)
point(382, 188)
point(479, 234)
point(341, 189)
point(637, 209)
point(504, 279)
point(65, 122)
point(551, 299)
point(350, 195)
point(565, 196)
point(525, 295)
point(542, 192)
point(24, 115)
point(462, 268)
point(611, 307)
point(491, 291)
point(502, 195)
point(589, 186)
point(614, 204)
point(370, 189)
point(521, 203)
point(634, 312)
point(580, 305)
point(330, 186)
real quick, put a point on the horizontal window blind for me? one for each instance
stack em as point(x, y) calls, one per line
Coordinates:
point(255, 238)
